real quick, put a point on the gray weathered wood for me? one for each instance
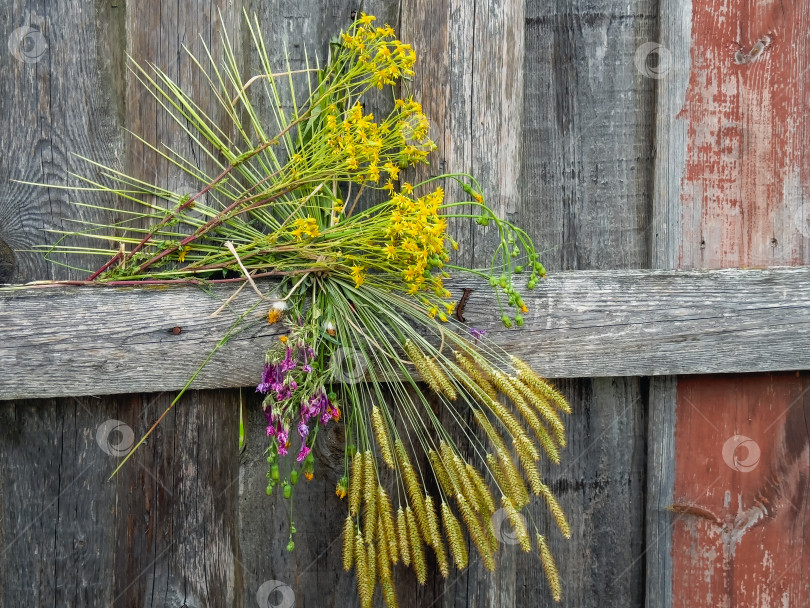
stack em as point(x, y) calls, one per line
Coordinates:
point(85, 340)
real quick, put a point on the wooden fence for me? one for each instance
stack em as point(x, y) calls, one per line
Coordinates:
point(635, 142)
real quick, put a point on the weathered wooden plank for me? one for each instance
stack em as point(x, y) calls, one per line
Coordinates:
point(733, 187)
point(585, 180)
point(85, 340)
point(61, 92)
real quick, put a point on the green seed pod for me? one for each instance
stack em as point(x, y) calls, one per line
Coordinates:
point(287, 490)
point(290, 545)
point(269, 490)
point(293, 477)
point(519, 319)
point(518, 269)
point(274, 474)
point(351, 450)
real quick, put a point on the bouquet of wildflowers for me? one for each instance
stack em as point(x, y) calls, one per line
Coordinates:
point(370, 341)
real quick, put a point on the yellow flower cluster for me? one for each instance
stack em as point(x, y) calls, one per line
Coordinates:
point(416, 234)
point(357, 139)
point(381, 55)
point(305, 227)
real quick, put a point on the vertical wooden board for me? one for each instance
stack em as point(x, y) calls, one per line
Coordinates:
point(178, 495)
point(741, 491)
point(61, 82)
point(743, 189)
point(585, 186)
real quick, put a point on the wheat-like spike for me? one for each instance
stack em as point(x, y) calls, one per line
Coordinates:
point(469, 489)
point(447, 457)
point(455, 537)
point(387, 517)
point(363, 588)
point(485, 498)
point(411, 484)
point(477, 534)
point(416, 549)
point(436, 540)
point(382, 436)
point(514, 481)
point(529, 468)
point(518, 524)
point(441, 473)
point(475, 374)
point(389, 593)
point(556, 510)
point(420, 362)
point(512, 424)
point(370, 494)
point(484, 366)
point(371, 569)
point(541, 385)
point(486, 425)
point(491, 533)
point(448, 390)
point(402, 536)
point(355, 485)
point(348, 543)
point(542, 406)
point(383, 559)
point(502, 383)
point(496, 470)
point(549, 567)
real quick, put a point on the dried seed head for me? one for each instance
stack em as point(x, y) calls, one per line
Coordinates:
point(512, 424)
point(402, 536)
point(530, 469)
point(387, 517)
point(455, 537)
point(416, 549)
point(436, 538)
point(470, 492)
point(485, 498)
point(486, 425)
point(540, 385)
point(370, 494)
point(514, 482)
point(476, 533)
point(364, 590)
point(447, 388)
point(389, 593)
point(420, 362)
point(355, 485)
point(371, 569)
point(382, 436)
point(542, 406)
point(348, 543)
point(469, 368)
point(502, 383)
point(556, 510)
point(518, 524)
point(441, 473)
point(549, 567)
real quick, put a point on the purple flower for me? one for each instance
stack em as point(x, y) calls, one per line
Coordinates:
point(307, 368)
point(268, 375)
point(303, 453)
point(288, 363)
point(477, 333)
point(283, 438)
point(271, 431)
point(303, 429)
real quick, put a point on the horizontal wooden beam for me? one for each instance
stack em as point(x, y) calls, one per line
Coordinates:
point(61, 341)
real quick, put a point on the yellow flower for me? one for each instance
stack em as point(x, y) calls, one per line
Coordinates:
point(433, 312)
point(181, 254)
point(273, 315)
point(524, 309)
point(450, 306)
point(406, 188)
point(391, 169)
point(389, 186)
point(358, 274)
point(283, 339)
point(305, 226)
point(390, 251)
point(339, 206)
point(443, 317)
point(366, 19)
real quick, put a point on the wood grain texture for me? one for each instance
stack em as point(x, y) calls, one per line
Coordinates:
point(586, 174)
point(60, 341)
point(739, 146)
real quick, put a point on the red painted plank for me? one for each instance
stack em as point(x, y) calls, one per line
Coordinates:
point(741, 496)
point(739, 533)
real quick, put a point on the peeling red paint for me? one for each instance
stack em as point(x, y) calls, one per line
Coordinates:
point(742, 537)
point(745, 176)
